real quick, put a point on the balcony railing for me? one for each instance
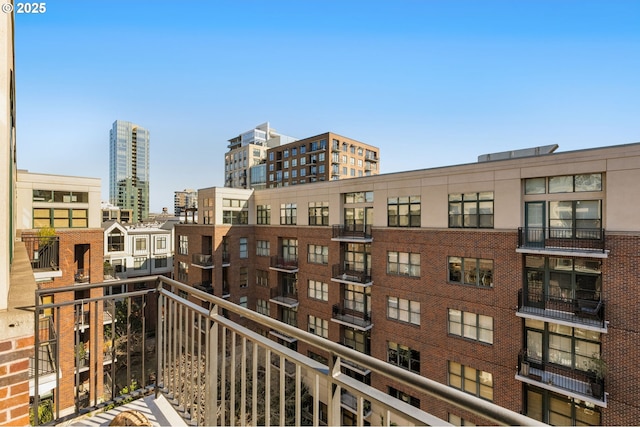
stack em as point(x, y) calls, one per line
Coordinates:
point(217, 372)
point(584, 385)
point(226, 259)
point(588, 310)
point(284, 295)
point(562, 239)
point(202, 260)
point(287, 264)
point(47, 354)
point(44, 252)
point(349, 273)
point(352, 318)
point(352, 231)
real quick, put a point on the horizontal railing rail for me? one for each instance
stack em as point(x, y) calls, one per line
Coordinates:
point(43, 252)
point(351, 273)
point(218, 372)
point(589, 309)
point(351, 230)
point(203, 260)
point(562, 238)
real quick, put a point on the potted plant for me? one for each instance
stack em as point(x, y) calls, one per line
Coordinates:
point(598, 370)
point(81, 353)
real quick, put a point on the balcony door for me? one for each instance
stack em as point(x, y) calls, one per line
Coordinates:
point(534, 218)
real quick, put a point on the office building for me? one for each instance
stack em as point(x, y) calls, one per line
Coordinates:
point(129, 168)
point(323, 157)
point(244, 162)
point(511, 279)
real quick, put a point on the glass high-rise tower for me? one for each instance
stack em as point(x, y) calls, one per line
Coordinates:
point(129, 168)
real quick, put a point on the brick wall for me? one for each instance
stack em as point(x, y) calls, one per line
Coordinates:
point(14, 380)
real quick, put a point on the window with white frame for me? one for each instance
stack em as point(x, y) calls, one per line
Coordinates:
point(403, 263)
point(263, 248)
point(476, 327)
point(318, 254)
point(141, 244)
point(319, 326)
point(403, 310)
point(161, 243)
point(318, 290)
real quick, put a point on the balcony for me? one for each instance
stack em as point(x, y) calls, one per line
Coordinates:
point(569, 382)
point(285, 296)
point(204, 261)
point(359, 233)
point(586, 312)
point(222, 374)
point(44, 254)
point(206, 286)
point(81, 276)
point(284, 264)
point(562, 241)
point(351, 274)
point(226, 259)
point(351, 318)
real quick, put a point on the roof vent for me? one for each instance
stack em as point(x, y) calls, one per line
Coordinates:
point(515, 154)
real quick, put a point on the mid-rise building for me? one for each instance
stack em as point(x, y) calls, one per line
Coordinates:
point(512, 279)
point(183, 200)
point(323, 157)
point(244, 162)
point(129, 168)
point(111, 212)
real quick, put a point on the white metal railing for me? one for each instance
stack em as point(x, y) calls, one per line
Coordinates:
point(217, 372)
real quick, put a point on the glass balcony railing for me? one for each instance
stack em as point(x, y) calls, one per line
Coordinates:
point(217, 372)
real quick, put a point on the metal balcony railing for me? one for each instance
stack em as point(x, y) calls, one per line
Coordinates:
point(44, 252)
point(202, 260)
point(284, 295)
point(177, 342)
point(353, 318)
point(552, 376)
point(284, 263)
point(352, 231)
point(350, 273)
point(562, 239)
point(587, 310)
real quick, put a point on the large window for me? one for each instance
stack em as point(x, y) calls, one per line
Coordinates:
point(473, 381)
point(235, 217)
point(141, 244)
point(359, 197)
point(318, 290)
point(60, 218)
point(357, 257)
point(262, 278)
point(403, 310)
point(403, 263)
point(161, 243)
point(561, 344)
point(115, 241)
point(318, 254)
point(403, 356)
point(288, 214)
point(356, 340)
point(319, 326)
point(262, 307)
point(183, 248)
point(476, 327)
point(289, 249)
point(560, 410)
point(263, 214)
point(562, 279)
point(357, 298)
point(471, 271)
point(160, 262)
point(575, 218)
point(51, 196)
point(471, 210)
point(263, 248)
point(403, 211)
point(318, 213)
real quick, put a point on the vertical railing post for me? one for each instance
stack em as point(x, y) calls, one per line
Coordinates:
point(160, 331)
point(36, 361)
point(334, 392)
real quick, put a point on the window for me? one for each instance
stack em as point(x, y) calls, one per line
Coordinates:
point(559, 410)
point(561, 344)
point(562, 279)
point(575, 218)
point(565, 184)
point(262, 307)
point(459, 421)
point(318, 290)
point(318, 213)
point(403, 310)
point(359, 197)
point(471, 271)
point(403, 211)
point(243, 277)
point(141, 245)
point(140, 263)
point(403, 357)
point(403, 263)
point(160, 262)
point(319, 326)
point(115, 241)
point(413, 401)
point(318, 254)
point(60, 218)
point(235, 217)
point(473, 381)
point(289, 249)
point(243, 302)
point(183, 248)
point(244, 250)
point(357, 298)
point(263, 248)
point(263, 214)
point(183, 272)
point(288, 214)
point(161, 243)
point(476, 327)
point(356, 340)
point(289, 316)
point(262, 278)
point(471, 210)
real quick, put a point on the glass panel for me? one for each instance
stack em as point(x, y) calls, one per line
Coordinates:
point(535, 186)
point(589, 182)
point(534, 345)
point(534, 405)
point(470, 380)
point(470, 331)
point(455, 322)
point(561, 184)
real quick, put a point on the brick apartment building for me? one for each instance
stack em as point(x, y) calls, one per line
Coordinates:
point(511, 278)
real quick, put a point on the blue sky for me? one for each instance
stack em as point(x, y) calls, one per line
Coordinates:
point(432, 83)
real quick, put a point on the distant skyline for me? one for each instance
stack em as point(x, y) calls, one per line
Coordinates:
point(445, 81)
